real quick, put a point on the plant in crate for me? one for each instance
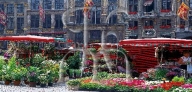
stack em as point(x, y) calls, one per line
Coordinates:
point(73, 84)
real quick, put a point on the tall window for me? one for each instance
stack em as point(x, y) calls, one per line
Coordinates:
point(190, 21)
point(96, 15)
point(133, 24)
point(10, 8)
point(165, 22)
point(95, 36)
point(34, 21)
point(2, 7)
point(148, 5)
point(182, 23)
point(59, 4)
point(47, 4)
point(79, 37)
point(79, 17)
point(133, 4)
point(112, 6)
point(47, 23)
point(20, 8)
point(20, 22)
point(59, 23)
point(148, 23)
point(34, 4)
point(111, 39)
point(79, 3)
point(190, 4)
point(10, 24)
point(166, 4)
point(1, 27)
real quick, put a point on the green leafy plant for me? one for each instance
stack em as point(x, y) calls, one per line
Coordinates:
point(77, 72)
point(50, 76)
point(43, 79)
point(93, 50)
point(17, 74)
point(71, 72)
point(73, 82)
point(37, 60)
point(33, 74)
point(178, 79)
point(160, 73)
point(74, 61)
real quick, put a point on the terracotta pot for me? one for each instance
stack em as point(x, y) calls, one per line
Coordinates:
point(16, 82)
point(42, 85)
point(26, 82)
point(32, 84)
point(7, 82)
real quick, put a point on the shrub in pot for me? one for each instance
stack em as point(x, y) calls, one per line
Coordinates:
point(43, 80)
point(16, 76)
point(50, 78)
point(77, 73)
point(7, 79)
point(32, 76)
point(73, 84)
point(71, 73)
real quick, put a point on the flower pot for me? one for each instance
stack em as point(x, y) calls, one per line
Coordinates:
point(7, 82)
point(26, 82)
point(32, 84)
point(50, 84)
point(16, 82)
point(42, 85)
point(38, 83)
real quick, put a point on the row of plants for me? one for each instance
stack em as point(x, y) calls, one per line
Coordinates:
point(40, 71)
point(113, 83)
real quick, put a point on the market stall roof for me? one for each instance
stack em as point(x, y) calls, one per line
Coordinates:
point(31, 38)
point(153, 41)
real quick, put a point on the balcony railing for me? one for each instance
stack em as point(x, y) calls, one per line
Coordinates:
point(148, 27)
point(165, 26)
point(133, 28)
point(149, 13)
point(165, 10)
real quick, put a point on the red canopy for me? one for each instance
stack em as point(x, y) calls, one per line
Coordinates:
point(155, 41)
point(27, 38)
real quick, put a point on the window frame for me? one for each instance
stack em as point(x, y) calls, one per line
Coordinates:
point(35, 4)
point(10, 25)
point(167, 5)
point(36, 19)
point(47, 4)
point(58, 21)
point(10, 8)
point(20, 23)
point(59, 5)
point(134, 5)
point(20, 9)
point(47, 23)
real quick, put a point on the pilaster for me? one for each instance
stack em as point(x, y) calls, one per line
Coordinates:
point(25, 17)
point(40, 20)
point(52, 21)
point(53, 4)
point(29, 5)
point(104, 4)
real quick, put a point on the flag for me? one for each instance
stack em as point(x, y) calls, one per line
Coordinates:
point(3, 18)
point(183, 11)
point(41, 13)
point(88, 3)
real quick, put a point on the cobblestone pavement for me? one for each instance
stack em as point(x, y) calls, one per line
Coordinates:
point(24, 88)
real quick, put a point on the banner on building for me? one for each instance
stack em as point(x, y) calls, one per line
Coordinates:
point(41, 13)
point(87, 5)
point(3, 18)
point(183, 11)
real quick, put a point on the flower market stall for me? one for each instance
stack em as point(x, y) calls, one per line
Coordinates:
point(36, 70)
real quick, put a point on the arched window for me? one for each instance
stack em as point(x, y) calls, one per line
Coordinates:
point(112, 6)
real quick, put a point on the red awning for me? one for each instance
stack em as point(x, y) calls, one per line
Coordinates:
point(148, 2)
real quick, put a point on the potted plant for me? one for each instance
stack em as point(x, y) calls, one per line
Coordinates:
point(50, 77)
point(77, 73)
point(16, 76)
point(73, 84)
point(7, 79)
point(43, 80)
point(2, 63)
point(71, 73)
point(32, 76)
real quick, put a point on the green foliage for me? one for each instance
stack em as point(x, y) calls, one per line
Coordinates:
point(74, 61)
point(33, 73)
point(178, 79)
point(121, 52)
point(37, 60)
point(160, 73)
point(89, 86)
point(73, 82)
point(101, 75)
point(71, 72)
point(18, 73)
point(2, 63)
point(93, 50)
point(77, 72)
point(43, 79)
point(189, 81)
point(120, 88)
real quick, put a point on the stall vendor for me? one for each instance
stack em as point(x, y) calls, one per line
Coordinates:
point(185, 60)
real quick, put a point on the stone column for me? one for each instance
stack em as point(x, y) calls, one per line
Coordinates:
point(25, 18)
point(140, 7)
point(15, 18)
point(52, 21)
point(53, 4)
point(29, 5)
point(104, 4)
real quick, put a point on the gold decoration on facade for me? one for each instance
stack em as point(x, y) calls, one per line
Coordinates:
point(9, 32)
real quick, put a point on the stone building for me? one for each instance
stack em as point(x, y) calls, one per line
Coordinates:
point(113, 20)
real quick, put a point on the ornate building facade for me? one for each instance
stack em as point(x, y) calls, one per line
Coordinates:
point(113, 20)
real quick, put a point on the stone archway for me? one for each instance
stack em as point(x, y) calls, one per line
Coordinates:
point(111, 37)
